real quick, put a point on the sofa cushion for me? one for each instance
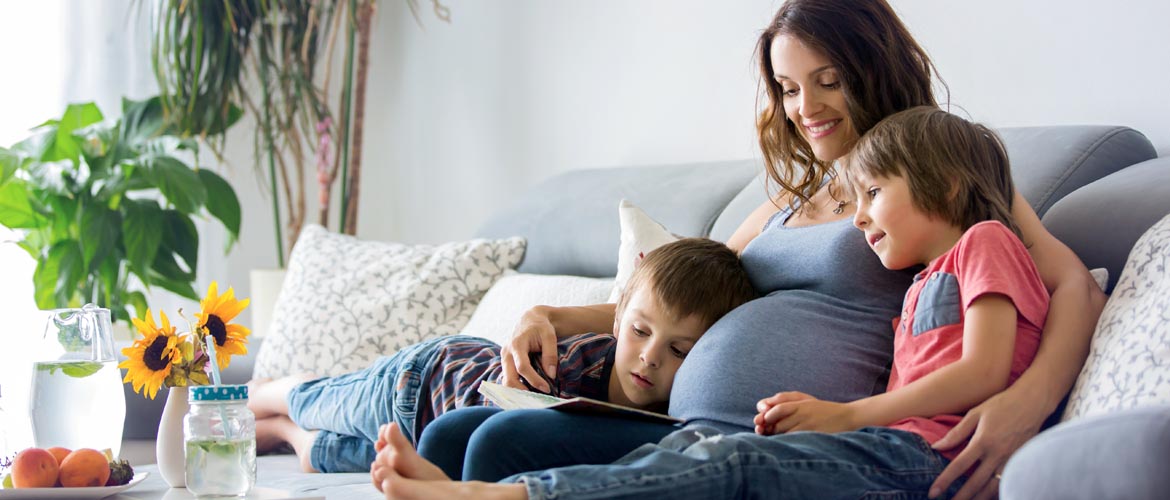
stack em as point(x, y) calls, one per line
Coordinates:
point(1102, 221)
point(345, 302)
point(497, 314)
point(1119, 455)
point(640, 234)
point(569, 221)
point(1129, 358)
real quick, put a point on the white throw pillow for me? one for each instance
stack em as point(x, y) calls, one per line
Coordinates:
point(345, 302)
point(1129, 359)
point(500, 310)
point(640, 235)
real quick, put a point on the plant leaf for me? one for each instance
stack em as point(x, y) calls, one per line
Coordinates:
point(222, 204)
point(65, 146)
point(142, 120)
point(9, 162)
point(57, 276)
point(100, 232)
point(179, 287)
point(142, 233)
point(181, 238)
point(137, 300)
point(15, 210)
point(179, 183)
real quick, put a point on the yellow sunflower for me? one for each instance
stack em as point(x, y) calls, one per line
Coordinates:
point(150, 358)
point(215, 315)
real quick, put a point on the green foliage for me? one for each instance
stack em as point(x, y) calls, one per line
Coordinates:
point(99, 203)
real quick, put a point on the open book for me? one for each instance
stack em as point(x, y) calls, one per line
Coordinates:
point(512, 399)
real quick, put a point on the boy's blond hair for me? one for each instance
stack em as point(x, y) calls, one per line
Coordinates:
point(957, 171)
point(692, 277)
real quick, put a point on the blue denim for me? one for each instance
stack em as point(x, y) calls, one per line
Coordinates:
point(699, 463)
point(444, 441)
point(348, 409)
point(478, 444)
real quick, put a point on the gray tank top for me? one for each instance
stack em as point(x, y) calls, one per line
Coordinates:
point(823, 326)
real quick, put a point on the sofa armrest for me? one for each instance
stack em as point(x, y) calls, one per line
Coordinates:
point(1102, 220)
point(1118, 455)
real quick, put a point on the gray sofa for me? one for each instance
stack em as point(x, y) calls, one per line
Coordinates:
point(1084, 181)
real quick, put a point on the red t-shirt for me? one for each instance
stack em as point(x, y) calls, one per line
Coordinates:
point(989, 258)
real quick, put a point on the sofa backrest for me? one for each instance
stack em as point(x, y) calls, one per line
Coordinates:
point(571, 223)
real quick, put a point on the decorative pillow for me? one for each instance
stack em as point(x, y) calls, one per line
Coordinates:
point(640, 235)
point(345, 302)
point(500, 310)
point(1129, 359)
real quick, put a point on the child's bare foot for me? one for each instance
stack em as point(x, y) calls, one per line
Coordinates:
point(398, 455)
point(269, 397)
point(269, 434)
point(283, 429)
point(396, 487)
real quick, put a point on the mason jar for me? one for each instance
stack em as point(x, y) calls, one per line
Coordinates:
point(220, 435)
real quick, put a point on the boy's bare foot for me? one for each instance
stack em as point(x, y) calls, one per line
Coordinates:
point(397, 487)
point(269, 435)
point(398, 455)
point(282, 428)
point(269, 397)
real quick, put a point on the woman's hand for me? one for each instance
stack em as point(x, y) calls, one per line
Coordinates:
point(996, 428)
point(534, 333)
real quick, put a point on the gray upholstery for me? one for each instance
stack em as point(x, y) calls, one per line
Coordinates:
point(1123, 455)
point(571, 221)
point(1051, 162)
point(1102, 221)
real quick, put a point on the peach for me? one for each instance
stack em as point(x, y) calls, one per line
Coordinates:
point(85, 467)
point(59, 453)
point(34, 468)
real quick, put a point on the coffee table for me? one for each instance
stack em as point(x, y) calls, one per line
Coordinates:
point(277, 477)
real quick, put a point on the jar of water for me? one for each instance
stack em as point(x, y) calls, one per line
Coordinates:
point(6, 454)
point(220, 435)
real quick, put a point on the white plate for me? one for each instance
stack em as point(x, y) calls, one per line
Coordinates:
point(91, 493)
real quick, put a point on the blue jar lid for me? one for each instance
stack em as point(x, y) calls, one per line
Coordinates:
point(217, 393)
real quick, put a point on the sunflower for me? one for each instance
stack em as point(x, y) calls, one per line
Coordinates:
point(215, 315)
point(150, 358)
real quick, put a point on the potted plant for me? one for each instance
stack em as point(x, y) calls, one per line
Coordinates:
point(106, 209)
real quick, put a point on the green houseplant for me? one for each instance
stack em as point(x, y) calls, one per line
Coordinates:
point(106, 209)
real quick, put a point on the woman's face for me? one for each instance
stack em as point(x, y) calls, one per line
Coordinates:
point(813, 98)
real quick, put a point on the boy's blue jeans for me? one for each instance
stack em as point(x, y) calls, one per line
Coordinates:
point(699, 463)
point(348, 409)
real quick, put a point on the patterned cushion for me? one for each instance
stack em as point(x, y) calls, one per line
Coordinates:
point(345, 302)
point(1129, 361)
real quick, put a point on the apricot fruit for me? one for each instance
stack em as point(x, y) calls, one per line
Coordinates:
point(34, 468)
point(84, 467)
point(59, 453)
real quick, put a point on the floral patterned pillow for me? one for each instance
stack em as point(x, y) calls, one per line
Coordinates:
point(1129, 360)
point(345, 302)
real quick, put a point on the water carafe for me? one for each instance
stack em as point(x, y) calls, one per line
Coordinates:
point(77, 399)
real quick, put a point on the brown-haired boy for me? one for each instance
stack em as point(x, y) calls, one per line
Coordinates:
point(674, 295)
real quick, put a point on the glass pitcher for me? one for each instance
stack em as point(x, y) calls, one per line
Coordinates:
point(77, 399)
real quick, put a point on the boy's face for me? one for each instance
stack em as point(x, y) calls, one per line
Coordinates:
point(898, 232)
point(650, 348)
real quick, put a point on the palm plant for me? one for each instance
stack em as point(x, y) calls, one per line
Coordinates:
point(210, 57)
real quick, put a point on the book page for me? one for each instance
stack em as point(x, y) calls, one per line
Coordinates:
point(511, 399)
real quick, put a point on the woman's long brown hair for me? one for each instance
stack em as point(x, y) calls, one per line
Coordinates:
point(882, 71)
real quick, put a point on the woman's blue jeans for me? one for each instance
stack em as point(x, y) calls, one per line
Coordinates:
point(699, 463)
point(489, 444)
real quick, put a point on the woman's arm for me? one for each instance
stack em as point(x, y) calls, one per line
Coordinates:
point(539, 329)
point(999, 426)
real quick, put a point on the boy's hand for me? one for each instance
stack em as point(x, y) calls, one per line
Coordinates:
point(789, 412)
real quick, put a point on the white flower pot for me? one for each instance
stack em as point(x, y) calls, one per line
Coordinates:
point(169, 446)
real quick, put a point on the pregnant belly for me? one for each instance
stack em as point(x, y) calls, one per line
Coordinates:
point(787, 341)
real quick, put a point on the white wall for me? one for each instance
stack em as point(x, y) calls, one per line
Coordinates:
point(463, 117)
